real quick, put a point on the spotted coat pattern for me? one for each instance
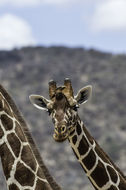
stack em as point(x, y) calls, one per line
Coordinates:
point(20, 166)
point(99, 168)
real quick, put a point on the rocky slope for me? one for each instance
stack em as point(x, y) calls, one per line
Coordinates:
point(27, 71)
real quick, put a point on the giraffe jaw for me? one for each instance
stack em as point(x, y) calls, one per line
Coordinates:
point(60, 138)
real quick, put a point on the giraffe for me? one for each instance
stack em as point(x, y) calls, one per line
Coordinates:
point(62, 107)
point(22, 164)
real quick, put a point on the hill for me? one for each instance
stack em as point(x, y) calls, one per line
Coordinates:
point(28, 71)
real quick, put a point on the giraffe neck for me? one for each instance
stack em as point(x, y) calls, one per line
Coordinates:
point(100, 170)
point(20, 165)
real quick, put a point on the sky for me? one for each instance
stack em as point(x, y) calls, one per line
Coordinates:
point(99, 24)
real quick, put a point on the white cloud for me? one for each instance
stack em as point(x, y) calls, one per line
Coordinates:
point(19, 2)
point(109, 15)
point(14, 32)
point(23, 3)
point(35, 2)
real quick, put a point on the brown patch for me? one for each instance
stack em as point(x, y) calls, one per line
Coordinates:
point(100, 153)
point(13, 187)
point(1, 104)
point(112, 174)
point(78, 129)
point(14, 143)
point(74, 139)
point(20, 133)
point(7, 122)
point(7, 160)
point(72, 132)
point(122, 184)
point(1, 132)
point(113, 188)
point(40, 185)
point(28, 158)
point(7, 108)
point(83, 146)
point(40, 173)
point(100, 175)
point(89, 160)
point(24, 176)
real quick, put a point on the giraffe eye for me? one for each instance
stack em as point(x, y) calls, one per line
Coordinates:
point(53, 120)
point(75, 107)
point(49, 111)
point(53, 95)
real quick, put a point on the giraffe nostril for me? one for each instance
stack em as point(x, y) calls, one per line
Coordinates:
point(63, 129)
point(60, 130)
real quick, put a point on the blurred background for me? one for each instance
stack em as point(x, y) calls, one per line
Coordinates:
point(84, 40)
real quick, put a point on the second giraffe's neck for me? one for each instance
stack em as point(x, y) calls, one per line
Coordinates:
point(20, 165)
point(101, 171)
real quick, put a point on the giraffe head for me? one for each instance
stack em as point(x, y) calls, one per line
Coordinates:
point(62, 107)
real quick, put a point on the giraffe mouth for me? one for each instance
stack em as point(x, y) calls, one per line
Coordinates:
point(60, 137)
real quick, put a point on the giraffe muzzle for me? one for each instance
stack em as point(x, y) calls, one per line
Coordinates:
point(60, 133)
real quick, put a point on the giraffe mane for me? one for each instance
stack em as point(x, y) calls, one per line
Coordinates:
point(117, 168)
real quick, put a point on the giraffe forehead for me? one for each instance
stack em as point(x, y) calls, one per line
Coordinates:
point(62, 104)
point(66, 88)
point(62, 90)
point(62, 101)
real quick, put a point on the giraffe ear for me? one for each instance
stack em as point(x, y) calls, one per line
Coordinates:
point(84, 94)
point(39, 102)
